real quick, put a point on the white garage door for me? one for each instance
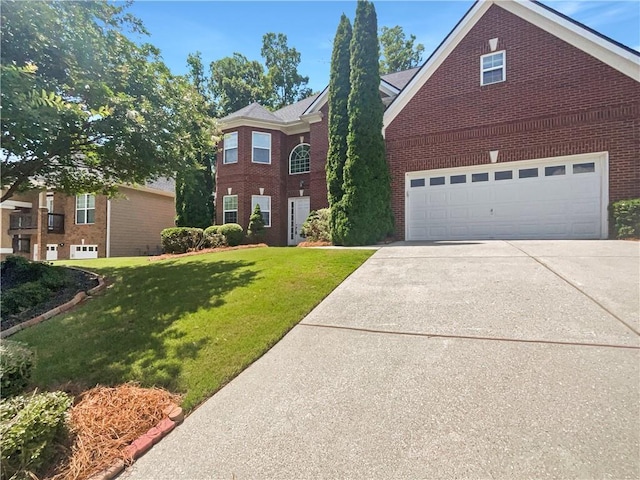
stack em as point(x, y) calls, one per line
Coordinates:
point(84, 251)
point(556, 198)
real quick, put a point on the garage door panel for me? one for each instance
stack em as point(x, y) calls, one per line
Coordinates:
point(556, 204)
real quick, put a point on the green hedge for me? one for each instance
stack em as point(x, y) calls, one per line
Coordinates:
point(16, 361)
point(233, 233)
point(625, 218)
point(213, 238)
point(29, 426)
point(181, 239)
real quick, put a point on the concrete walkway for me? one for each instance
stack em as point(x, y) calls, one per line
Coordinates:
point(478, 360)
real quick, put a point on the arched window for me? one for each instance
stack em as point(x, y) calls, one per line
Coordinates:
point(299, 159)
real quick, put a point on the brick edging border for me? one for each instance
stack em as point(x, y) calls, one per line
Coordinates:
point(79, 297)
point(141, 445)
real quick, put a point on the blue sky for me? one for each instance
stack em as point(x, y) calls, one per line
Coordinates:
point(219, 28)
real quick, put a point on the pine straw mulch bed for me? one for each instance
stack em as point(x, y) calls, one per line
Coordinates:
point(165, 256)
point(105, 420)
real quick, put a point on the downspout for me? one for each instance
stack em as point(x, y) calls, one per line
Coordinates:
point(108, 228)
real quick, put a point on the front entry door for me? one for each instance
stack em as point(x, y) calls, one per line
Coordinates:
point(298, 213)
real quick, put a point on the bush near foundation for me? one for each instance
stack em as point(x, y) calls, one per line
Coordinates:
point(181, 239)
point(233, 232)
point(29, 426)
point(625, 218)
point(317, 226)
point(213, 238)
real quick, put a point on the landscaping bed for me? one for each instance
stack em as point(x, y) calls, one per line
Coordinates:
point(68, 283)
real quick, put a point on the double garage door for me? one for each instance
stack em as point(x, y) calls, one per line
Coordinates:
point(564, 197)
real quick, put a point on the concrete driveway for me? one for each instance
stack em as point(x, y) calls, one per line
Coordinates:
point(492, 359)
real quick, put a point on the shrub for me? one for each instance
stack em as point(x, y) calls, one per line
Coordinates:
point(256, 225)
point(16, 361)
point(625, 215)
point(213, 238)
point(27, 284)
point(316, 227)
point(29, 425)
point(233, 233)
point(181, 239)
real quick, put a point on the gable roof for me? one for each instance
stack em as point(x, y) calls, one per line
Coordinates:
point(614, 54)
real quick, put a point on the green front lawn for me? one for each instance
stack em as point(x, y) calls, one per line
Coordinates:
point(188, 324)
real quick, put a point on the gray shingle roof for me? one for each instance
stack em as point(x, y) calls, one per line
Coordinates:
point(400, 79)
point(164, 184)
point(255, 110)
point(292, 112)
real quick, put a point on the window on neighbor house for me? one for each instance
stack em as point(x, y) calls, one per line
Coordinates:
point(299, 160)
point(230, 209)
point(230, 154)
point(265, 207)
point(85, 209)
point(492, 68)
point(261, 147)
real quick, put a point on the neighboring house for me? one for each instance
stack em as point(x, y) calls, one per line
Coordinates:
point(43, 225)
point(522, 124)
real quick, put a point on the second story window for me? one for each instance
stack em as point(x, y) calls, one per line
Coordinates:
point(85, 209)
point(299, 159)
point(261, 147)
point(230, 154)
point(492, 68)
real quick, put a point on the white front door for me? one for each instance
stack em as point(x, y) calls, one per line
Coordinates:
point(299, 208)
point(52, 251)
point(554, 198)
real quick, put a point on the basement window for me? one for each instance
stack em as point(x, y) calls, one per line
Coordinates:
point(493, 68)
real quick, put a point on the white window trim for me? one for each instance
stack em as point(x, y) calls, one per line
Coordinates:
point(224, 210)
point(85, 209)
point(254, 147)
point(253, 205)
point(503, 67)
point(291, 158)
point(224, 151)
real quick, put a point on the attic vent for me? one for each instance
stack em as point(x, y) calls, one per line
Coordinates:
point(493, 44)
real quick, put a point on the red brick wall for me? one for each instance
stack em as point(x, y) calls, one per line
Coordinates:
point(92, 234)
point(246, 178)
point(556, 100)
point(319, 148)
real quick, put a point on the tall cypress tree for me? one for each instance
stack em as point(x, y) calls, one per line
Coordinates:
point(365, 215)
point(339, 87)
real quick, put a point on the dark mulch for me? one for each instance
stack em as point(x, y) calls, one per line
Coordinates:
point(81, 282)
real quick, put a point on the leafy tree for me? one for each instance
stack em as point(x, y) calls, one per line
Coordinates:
point(287, 85)
point(237, 82)
point(83, 119)
point(256, 229)
point(398, 53)
point(195, 183)
point(366, 204)
point(338, 120)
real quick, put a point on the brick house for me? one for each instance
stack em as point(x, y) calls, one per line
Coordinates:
point(522, 124)
point(47, 225)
